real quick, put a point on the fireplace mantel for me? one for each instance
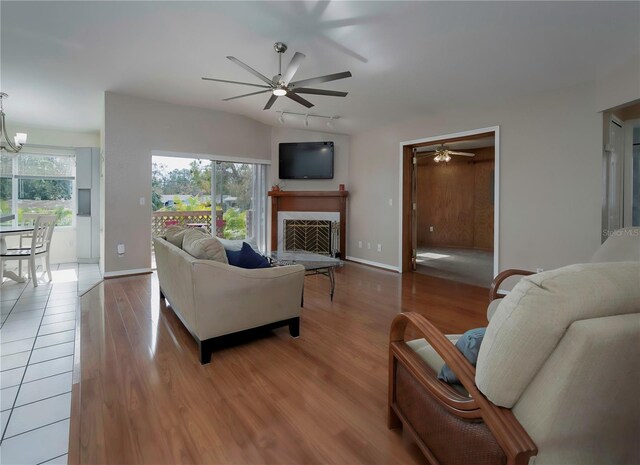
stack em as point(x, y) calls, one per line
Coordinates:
point(309, 201)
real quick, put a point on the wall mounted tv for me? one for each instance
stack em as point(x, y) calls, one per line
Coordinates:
point(306, 160)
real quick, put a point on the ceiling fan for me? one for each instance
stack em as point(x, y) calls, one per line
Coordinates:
point(444, 154)
point(281, 85)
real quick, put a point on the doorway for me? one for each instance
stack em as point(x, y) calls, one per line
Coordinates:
point(449, 191)
point(621, 168)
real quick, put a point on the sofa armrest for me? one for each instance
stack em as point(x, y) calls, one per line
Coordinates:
point(506, 429)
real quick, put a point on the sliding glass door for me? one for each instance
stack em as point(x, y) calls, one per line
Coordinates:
point(239, 190)
point(226, 199)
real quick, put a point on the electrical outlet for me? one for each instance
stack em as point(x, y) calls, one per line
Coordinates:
point(120, 249)
point(379, 247)
point(359, 244)
point(391, 202)
point(430, 228)
point(143, 200)
point(368, 245)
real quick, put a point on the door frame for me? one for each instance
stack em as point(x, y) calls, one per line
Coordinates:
point(627, 181)
point(405, 210)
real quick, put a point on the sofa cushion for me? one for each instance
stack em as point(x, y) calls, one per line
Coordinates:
point(493, 306)
point(622, 245)
point(427, 353)
point(175, 235)
point(199, 244)
point(469, 346)
point(236, 244)
point(534, 317)
point(246, 257)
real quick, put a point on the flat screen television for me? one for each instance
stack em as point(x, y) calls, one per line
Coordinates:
point(306, 160)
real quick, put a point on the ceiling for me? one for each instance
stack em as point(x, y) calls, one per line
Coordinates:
point(407, 58)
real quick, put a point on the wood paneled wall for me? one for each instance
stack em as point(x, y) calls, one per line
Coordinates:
point(457, 200)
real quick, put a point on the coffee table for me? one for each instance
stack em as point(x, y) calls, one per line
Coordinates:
point(313, 263)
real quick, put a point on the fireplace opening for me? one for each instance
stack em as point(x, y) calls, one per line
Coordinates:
point(317, 236)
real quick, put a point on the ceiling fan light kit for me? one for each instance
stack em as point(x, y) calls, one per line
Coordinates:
point(443, 154)
point(281, 85)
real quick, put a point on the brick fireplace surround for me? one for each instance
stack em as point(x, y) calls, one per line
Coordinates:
point(308, 201)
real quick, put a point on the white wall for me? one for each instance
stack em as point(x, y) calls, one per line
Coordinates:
point(551, 157)
point(134, 127)
point(63, 246)
point(619, 86)
point(341, 158)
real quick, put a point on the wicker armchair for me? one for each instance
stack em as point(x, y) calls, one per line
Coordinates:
point(556, 377)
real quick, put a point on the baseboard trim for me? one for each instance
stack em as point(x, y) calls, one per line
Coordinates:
point(384, 266)
point(119, 274)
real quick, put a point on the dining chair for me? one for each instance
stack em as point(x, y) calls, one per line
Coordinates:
point(28, 219)
point(40, 248)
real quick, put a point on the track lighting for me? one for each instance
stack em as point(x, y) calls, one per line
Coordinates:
point(330, 124)
point(307, 116)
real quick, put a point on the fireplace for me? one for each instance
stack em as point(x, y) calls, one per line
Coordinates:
point(317, 232)
point(313, 221)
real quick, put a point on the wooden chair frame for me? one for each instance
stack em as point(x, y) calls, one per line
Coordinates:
point(498, 280)
point(507, 431)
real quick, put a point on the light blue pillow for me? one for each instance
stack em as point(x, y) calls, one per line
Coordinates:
point(469, 345)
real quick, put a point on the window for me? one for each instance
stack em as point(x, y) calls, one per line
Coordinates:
point(38, 183)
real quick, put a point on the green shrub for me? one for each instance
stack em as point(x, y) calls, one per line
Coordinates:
point(236, 224)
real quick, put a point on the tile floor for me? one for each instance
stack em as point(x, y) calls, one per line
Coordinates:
point(37, 342)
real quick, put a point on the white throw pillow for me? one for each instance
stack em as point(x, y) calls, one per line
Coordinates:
point(200, 245)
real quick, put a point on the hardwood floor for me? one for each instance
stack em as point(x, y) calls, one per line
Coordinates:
point(141, 396)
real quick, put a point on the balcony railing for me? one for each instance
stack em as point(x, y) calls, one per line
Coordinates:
point(161, 220)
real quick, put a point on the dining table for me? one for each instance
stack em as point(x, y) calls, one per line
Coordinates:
point(6, 231)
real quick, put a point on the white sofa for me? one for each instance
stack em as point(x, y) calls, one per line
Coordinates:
point(217, 302)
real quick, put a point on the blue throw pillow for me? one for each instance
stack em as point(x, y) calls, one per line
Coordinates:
point(469, 345)
point(246, 257)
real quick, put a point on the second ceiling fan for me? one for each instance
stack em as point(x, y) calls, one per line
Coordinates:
point(442, 153)
point(281, 85)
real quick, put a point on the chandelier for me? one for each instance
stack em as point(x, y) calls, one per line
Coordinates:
point(5, 144)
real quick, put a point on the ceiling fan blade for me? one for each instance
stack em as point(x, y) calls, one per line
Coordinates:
point(307, 90)
point(462, 154)
point(318, 80)
point(252, 71)
point(236, 82)
point(299, 99)
point(246, 95)
point(294, 64)
point(270, 102)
